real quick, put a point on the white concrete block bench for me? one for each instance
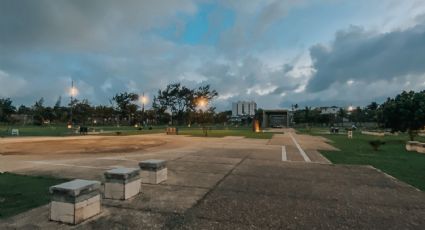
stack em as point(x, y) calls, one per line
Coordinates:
point(153, 171)
point(122, 183)
point(420, 148)
point(172, 131)
point(75, 201)
point(412, 145)
point(380, 134)
point(415, 146)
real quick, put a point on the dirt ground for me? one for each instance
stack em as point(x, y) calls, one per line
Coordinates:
point(224, 183)
point(70, 145)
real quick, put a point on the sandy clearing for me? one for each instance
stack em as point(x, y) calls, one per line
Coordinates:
point(53, 146)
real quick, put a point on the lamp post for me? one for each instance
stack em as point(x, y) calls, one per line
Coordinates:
point(143, 100)
point(72, 92)
point(350, 112)
point(202, 104)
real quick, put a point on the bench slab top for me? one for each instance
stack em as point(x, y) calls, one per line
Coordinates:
point(415, 143)
point(75, 187)
point(152, 164)
point(122, 173)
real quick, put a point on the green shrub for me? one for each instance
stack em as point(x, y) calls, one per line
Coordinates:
point(376, 144)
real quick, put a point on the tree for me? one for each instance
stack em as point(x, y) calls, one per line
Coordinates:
point(222, 117)
point(181, 101)
point(206, 92)
point(60, 113)
point(406, 112)
point(103, 113)
point(24, 110)
point(159, 111)
point(82, 111)
point(357, 115)
point(342, 114)
point(38, 112)
point(125, 104)
point(307, 116)
point(6, 109)
point(371, 112)
point(178, 99)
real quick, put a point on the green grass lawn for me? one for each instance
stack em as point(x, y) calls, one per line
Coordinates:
point(392, 157)
point(36, 130)
point(61, 130)
point(244, 132)
point(19, 193)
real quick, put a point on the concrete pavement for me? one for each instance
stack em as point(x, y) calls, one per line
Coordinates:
point(234, 183)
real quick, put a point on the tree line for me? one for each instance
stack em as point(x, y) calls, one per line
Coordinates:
point(403, 113)
point(180, 105)
point(176, 104)
point(308, 115)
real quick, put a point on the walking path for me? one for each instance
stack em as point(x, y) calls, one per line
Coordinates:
point(301, 148)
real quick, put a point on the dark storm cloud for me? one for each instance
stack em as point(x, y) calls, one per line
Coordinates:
point(81, 23)
point(103, 45)
point(110, 46)
point(359, 55)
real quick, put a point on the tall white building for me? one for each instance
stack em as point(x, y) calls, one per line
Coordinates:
point(242, 108)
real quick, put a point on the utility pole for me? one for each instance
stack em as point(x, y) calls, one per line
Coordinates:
point(143, 109)
point(72, 99)
point(73, 93)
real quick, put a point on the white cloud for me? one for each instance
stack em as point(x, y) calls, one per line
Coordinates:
point(11, 86)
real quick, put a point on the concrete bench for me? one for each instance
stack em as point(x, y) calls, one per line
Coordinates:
point(122, 183)
point(172, 131)
point(153, 171)
point(15, 132)
point(412, 145)
point(75, 201)
point(379, 134)
point(415, 146)
point(350, 134)
point(420, 148)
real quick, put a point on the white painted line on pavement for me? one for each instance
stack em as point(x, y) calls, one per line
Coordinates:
point(66, 165)
point(284, 157)
point(303, 154)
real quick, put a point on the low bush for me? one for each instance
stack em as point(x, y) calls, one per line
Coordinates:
point(376, 144)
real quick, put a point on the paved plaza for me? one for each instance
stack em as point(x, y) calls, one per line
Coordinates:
point(229, 183)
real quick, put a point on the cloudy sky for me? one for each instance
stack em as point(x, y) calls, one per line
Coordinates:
point(276, 52)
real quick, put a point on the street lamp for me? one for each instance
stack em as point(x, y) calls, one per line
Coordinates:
point(73, 91)
point(143, 100)
point(202, 103)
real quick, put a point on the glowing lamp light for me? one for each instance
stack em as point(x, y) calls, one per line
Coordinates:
point(143, 99)
point(350, 108)
point(73, 91)
point(256, 127)
point(202, 102)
